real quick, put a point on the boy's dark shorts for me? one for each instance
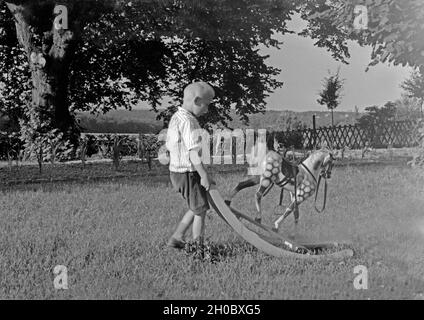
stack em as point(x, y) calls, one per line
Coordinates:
point(188, 184)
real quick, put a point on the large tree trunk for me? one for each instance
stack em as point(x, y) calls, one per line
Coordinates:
point(49, 60)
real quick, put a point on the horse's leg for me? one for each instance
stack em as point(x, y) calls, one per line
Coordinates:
point(288, 211)
point(267, 190)
point(279, 179)
point(296, 217)
point(300, 197)
point(243, 185)
point(262, 191)
point(281, 196)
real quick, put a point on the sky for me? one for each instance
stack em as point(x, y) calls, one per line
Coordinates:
point(304, 66)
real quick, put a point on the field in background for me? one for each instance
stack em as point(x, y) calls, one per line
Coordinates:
point(144, 121)
point(112, 235)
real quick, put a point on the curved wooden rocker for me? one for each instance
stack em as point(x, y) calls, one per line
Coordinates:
point(263, 243)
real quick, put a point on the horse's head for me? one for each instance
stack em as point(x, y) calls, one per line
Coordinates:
point(322, 162)
point(327, 156)
point(327, 164)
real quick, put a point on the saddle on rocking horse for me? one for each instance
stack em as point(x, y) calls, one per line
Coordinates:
point(290, 170)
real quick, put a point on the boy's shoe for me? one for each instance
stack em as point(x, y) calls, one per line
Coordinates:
point(175, 243)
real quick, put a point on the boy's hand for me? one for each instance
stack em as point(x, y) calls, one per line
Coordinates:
point(206, 181)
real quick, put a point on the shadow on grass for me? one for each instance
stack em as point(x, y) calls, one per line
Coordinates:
point(54, 186)
point(212, 252)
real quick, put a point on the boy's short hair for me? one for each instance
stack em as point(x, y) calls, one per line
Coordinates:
point(198, 89)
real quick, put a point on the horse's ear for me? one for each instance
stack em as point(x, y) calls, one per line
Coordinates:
point(331, 147)
point(324, 145)
point(276, 144)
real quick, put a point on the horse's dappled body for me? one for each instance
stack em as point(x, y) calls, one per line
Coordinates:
point(301, 180)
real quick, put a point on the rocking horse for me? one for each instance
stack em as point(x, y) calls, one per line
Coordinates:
point(301, 180)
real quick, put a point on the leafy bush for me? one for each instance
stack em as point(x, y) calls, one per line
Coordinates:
point(290, 139)
point(46, 146)
point(151, 144)
point(374, 122)
point(288, 132)
point(50, 146)
point(92, 145)
point(130, 145)
point(10, 146)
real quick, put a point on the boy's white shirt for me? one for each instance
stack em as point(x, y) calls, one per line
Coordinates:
point(183, 136)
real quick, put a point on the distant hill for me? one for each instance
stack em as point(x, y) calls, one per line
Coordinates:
point(273, 119)
point(121, 121)
point(144, 121)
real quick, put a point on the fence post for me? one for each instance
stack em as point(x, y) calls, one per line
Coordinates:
point(314, 132)
point(140, 149)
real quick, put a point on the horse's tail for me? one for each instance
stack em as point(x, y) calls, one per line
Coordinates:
point(250, 182)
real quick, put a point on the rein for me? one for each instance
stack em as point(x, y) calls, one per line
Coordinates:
point(325, 195)
point(316, 191)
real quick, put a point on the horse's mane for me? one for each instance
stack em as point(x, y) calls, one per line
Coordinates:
point(318, 153)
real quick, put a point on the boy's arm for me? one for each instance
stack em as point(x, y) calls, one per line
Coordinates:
point(191, 134)
point(198, 165)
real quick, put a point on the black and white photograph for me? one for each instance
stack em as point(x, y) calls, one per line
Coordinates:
point(211, 156)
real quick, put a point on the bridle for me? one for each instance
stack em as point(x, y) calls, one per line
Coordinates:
point(327, 169)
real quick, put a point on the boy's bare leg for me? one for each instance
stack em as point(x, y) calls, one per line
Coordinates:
point(183, 226)
point(199, 226)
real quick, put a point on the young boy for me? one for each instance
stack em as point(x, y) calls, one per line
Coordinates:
point(187, 173)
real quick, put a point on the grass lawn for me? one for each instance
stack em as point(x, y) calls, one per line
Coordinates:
point(111, 237)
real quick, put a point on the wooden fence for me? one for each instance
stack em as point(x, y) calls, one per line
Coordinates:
point(397, 135)
point(144, 146)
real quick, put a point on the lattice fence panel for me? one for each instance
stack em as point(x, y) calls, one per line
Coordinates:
point(397, 134)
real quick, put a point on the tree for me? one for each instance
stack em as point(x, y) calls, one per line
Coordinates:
point(14, 76)
point(115, 53)
point(375, 120)
point(407, 108)
point(331, 92)
point(414, 87)
point(393, 28)
point(122, 41)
